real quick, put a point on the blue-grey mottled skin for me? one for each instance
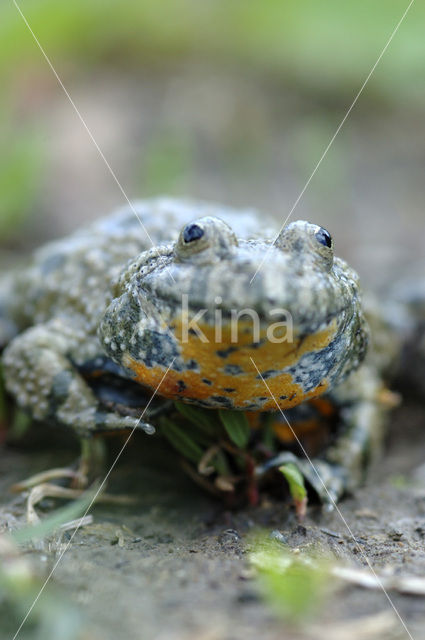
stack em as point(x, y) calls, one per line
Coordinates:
point(88, 301)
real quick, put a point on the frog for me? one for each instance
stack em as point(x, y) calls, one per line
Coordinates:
point(181, 301)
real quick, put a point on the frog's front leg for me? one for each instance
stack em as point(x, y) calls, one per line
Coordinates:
point(42, 378)
point(360, 405)
point(364, 403)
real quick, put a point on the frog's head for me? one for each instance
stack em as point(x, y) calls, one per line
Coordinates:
point(196, 304)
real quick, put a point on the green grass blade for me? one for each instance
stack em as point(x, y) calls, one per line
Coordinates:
point(295, 480)
point(181, 440)
point(237, 427)
point(295, 586)
point(201, 418)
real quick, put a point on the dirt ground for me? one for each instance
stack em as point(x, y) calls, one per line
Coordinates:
point(175, 565)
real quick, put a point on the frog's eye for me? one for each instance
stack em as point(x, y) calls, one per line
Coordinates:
point(192, 232)
point(307, 243)
point(324, 237)
point(205, 240)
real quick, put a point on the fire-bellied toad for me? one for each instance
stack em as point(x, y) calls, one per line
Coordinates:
point(103, 309)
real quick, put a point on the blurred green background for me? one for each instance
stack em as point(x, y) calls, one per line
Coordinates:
point(228, 100)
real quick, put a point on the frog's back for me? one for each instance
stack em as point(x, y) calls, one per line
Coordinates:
point(71, 277)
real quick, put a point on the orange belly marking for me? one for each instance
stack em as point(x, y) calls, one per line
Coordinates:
point(246, 386)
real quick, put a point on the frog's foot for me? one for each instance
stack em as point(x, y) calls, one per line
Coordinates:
point(44, 381)
point(99, 421)
point(342, 466)
point(328, 481)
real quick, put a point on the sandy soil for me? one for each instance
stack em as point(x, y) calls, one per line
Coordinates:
point(175, 566)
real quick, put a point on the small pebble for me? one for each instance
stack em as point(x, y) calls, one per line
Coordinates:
point(228, 536)
point(278, 536)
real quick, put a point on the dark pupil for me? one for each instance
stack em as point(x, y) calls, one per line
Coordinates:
point(192, 232)
point(324, 237)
